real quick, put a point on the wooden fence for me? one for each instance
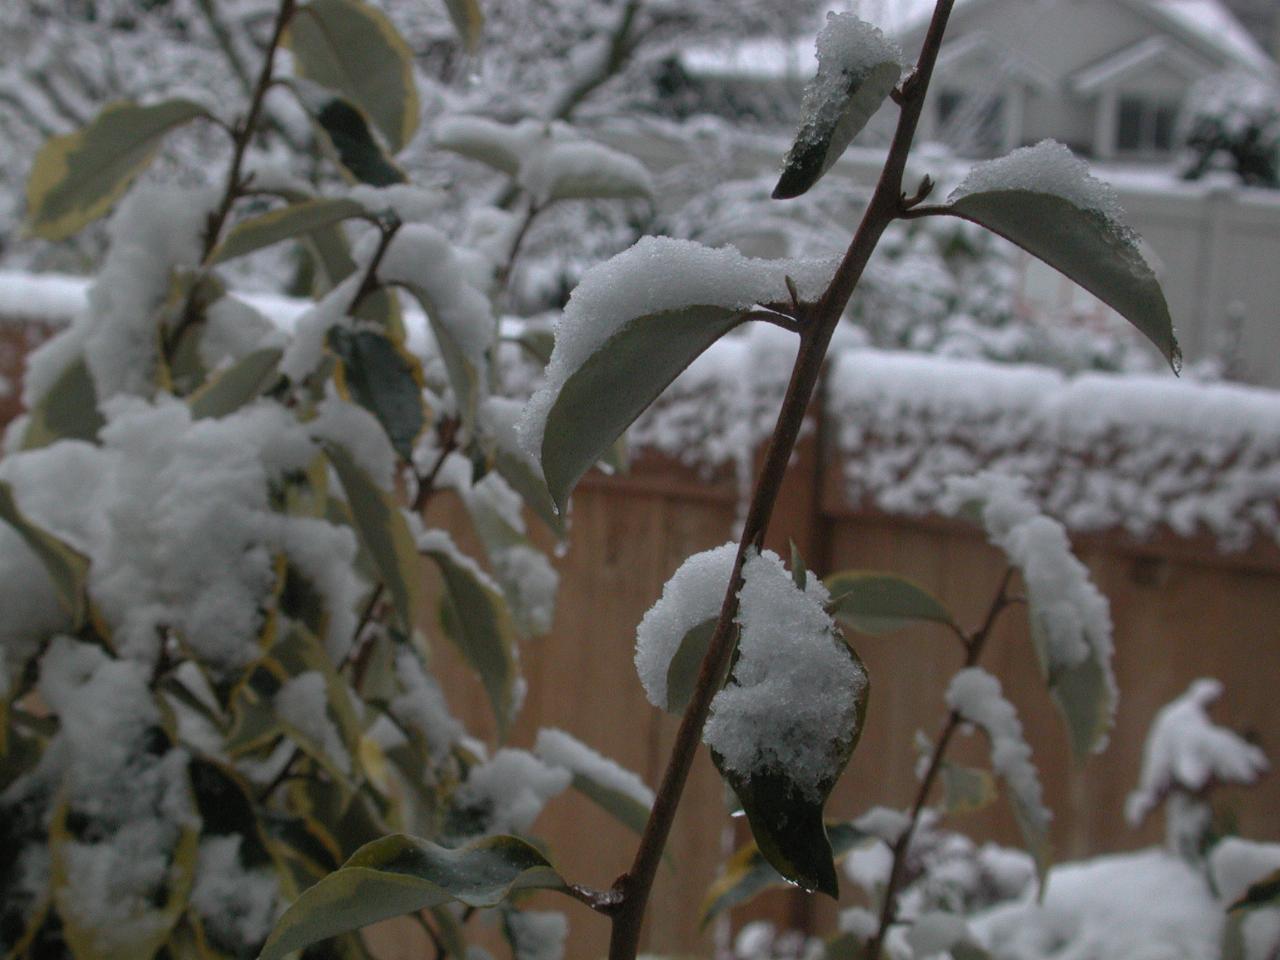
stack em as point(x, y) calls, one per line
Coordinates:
point(1182, 609)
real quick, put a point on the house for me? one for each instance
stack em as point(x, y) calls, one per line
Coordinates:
point(1106, 77)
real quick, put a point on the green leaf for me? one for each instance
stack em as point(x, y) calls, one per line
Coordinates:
point(77, 177)
point(682, 671)
point(385, 535)
point(1083, 244)
point(67, 568)
point(67, 411)
point(623, 807)
point(617, 382)
point(384, 379)
point(836, 106)
point(284, 224)
point(748, 874)
point(398, 875)
point(1263, 893)
point(965, 789)
point(468, 20)
point(1081, 692)
point(799, 572)
point(463, 376)
point(354, 50)
point(239, 384)
point(474, 615)
point(357, 151)
point(877, 603)
point(786, 823)
point(515, 468)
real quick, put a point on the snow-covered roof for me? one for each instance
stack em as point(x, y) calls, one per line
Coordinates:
point(1119, 66)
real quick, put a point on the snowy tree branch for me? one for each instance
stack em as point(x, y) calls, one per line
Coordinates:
point(819, 322)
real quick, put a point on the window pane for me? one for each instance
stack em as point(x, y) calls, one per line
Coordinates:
point(1129, 124)
point(1166, 117)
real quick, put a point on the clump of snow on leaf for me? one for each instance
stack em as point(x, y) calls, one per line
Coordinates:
point(236, 904)
point(848, 48)
point(1048, 167)
point(508, 792)
point(692, 596)
point(1187, 751)
point(791, 704)
point(537, 934)
point(558, 749)
point(302, 702)
point(977, 697)
point(657, 275)
point(594, 166)
point(1068, 611)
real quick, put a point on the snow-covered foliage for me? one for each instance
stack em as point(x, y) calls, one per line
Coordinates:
point(1186, 755)
point(1231, 121)
point(1097, 452)
point(792, 704)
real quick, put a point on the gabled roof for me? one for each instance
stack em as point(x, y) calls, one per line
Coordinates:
point(978, 43)
point(1204, 24)
point(1123, 64)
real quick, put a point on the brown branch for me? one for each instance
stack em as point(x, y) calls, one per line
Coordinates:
point(633, 887)
point(388, 227)
point(889, 905)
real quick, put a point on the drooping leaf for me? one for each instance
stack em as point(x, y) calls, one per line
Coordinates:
point(514, 468)
point(837, 104)
point(1081, 240)
point(786, 821)
point(357, 151)
point(748, 874)
point(398, 875)
point(68, 569)
point(468, 20)
point(584, 170)
point(384, 379)
point(285, 223)
point(239, 384)
point(1081, 693)
point(878, 603)
point(617, 382)
point(475, 616)
point(463, 376)
point(77, 177)
point(354, 50)
point(385, 535)
point(67, 411)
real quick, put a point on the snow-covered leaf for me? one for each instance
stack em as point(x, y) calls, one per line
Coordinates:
point(498, 145)
point(976, 696)
point(748, 873)
point(464, 377)
point(475, 616)
point(386, 380)
point(1043, 199)
point(1264, 893)
point(857, 68)
point(243, 381)
point(617, 791)
point(67, 411)
point(630, 327)
point(468, 20)
point(582, 170)
point(783, 727)
point(398, 875)
point(686, 664)
point(285, 223)
point(354, 50)
point(385, 535)
point(67, 568)
point(77, 177)
point(877, 603)
point(110, 938)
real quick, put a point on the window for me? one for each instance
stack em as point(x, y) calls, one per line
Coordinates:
point(1144, 125)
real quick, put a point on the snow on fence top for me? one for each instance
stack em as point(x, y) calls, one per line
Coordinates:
point(1098, 451)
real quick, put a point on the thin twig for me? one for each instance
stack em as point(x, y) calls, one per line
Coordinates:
point(503, 275)
point(388, 227)
point(819, 323)
point(889, 905)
